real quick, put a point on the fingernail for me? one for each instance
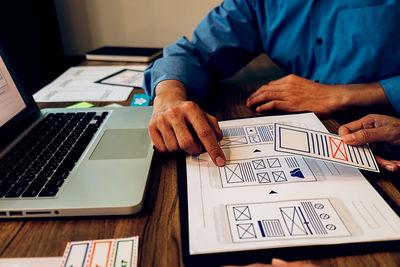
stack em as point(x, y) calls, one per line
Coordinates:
point(389, 168)
point(220, 161)
point(348, 137)
point(277, 261)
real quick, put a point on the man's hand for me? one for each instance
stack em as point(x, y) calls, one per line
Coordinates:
point(178, 124)
point(293, 93)
point(374, 128)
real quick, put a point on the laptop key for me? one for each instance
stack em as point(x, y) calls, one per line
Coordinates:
point(27, 177)
point(9, 181)
point(34, 188)
point(49, 191)
point(17, 189)
point(4, 189)
point(55, 182)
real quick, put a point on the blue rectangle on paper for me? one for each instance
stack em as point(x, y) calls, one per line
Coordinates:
point(140, 100)
point(261, 228)
point(72, 247)
point(291, 148)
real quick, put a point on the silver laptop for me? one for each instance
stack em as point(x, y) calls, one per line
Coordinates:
point(69, 162)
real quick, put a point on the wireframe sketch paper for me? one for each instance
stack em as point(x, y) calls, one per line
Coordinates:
point(267, 199)
point(125, 77)
point(79, 84)
point(325, 146)
point(104, 252)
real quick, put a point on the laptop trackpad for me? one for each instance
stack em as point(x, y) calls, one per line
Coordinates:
point(122, 144)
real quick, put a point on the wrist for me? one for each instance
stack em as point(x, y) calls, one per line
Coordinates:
point(367, 94)
point(169, 91)
point(171, 88)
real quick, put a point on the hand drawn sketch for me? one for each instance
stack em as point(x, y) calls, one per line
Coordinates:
point(264, 199)
point(267, 170)
point(242, 213)
point(296, 219)
point(247, 135)
point(325, 146)
point(246, 231)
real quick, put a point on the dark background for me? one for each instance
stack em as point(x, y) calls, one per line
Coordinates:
point(29, 34)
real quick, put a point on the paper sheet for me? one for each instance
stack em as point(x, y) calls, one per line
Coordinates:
point(78, 84)
point(125, 77)
point(267, 199)
point(325, 146)
point(121, 252)
point(30, 262)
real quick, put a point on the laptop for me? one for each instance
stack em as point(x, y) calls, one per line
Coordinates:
point(69, 162)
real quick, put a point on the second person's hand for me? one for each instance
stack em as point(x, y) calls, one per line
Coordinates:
point(374, 128)
point(179, 124)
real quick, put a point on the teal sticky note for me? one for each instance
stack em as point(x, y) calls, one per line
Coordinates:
point(140, 100)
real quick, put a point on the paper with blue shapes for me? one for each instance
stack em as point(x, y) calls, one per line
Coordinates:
point(274, 163)
point(242, 213)
point(263, 177)
point(246, 231)
point(288, 220)
point(259, 171)
point(279, 176)
point(325, 146)
point(265, 199)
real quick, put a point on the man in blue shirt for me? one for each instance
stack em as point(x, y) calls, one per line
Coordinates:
point(338, 53)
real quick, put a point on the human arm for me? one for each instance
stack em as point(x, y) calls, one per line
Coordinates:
point(179, 124)
point(374, 128)
point(293, 93)
point(223, 42)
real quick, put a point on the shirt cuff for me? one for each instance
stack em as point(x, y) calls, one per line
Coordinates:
point(391, 87)
point(193, 77)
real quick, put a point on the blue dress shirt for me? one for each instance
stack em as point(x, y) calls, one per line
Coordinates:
point(330, 41)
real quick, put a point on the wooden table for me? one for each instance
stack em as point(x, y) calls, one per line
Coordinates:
point(158, 224)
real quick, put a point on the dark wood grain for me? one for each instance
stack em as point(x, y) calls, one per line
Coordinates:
point(158, 224)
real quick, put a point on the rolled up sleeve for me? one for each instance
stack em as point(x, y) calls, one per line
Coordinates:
point(224, 41)
point(391, 87)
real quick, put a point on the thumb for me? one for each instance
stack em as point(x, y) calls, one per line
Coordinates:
point(363, 136)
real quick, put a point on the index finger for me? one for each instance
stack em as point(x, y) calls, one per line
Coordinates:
point(350, 127)
point(207, 137)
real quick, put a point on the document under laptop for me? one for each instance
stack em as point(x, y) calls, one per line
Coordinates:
point(69, 162)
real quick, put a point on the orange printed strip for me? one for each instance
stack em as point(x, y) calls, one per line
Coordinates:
point(100, 253)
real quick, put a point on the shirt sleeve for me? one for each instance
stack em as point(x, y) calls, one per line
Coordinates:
point(224, 41)
point(391, 87)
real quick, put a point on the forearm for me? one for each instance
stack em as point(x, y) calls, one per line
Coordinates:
point(366, 94)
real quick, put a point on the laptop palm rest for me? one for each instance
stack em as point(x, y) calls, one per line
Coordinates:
point(122, 144)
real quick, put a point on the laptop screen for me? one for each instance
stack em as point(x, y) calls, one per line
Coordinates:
point(11, 102)
point(17, 108)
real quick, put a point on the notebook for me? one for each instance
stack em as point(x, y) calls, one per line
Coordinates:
point(120, 53)
point(69, 162)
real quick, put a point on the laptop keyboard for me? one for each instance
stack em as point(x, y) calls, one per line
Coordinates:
point(39, 164)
